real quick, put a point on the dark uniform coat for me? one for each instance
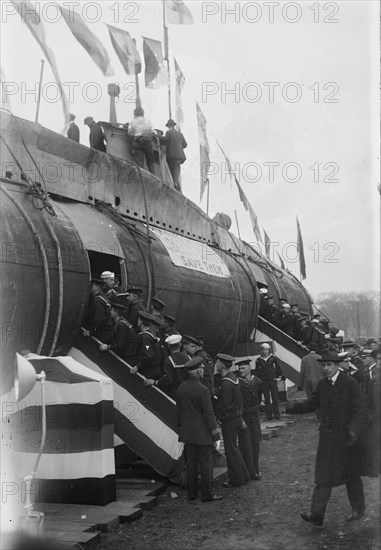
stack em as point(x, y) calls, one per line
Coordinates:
point(132, 314)
point(341, 409)
point(149, 356)
point(373, 419)
point(97, 137)
point(195, 415)
point(73, 132)
point(230, 404)
point(99, 320)
point(125, 341)
point(173, 374)
point(267, 368)
point(175, 144)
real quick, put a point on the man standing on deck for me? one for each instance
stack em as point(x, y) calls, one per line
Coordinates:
point(96, 137)
point(175, 144)
point(73, 130)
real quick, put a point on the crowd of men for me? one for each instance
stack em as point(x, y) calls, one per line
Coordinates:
point(223, 395)
point(300, 326)
point(212, 395)
point(143, 137)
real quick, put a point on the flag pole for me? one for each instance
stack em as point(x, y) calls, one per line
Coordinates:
point(236, 220)
point(40, 89)
point(207, 197)
point(166, 53)
point(138, 102)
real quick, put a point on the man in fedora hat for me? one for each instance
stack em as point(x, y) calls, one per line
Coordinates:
point(340, 450)
point(175, 144)
point(96, 137)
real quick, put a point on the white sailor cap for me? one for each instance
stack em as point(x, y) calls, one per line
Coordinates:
point(173, 339)
point(108, 275)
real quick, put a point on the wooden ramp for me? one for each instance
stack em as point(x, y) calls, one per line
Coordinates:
point(80, 526)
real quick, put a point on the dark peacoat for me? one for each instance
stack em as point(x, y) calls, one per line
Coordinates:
point(195, 415)
point(341, 410)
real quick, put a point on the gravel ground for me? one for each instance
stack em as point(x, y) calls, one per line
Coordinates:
point(262, 515)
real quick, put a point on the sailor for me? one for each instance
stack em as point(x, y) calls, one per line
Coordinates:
point(125, 338)
point(141, 130)
point(353, 350)
point(287, 320)
point(149, 349)
point(251, 391)
point(339, 456)
point(135, 305)
point(317, 334)
point(109, 291)
point(175, 144)
point(296, 318)
point(173, 374)
point(73, 130)
point(96, 137)
point(198, 429)
point(158, 307)
point(271, 310)
point(229, 415)
point(268, 370)
point(169, 327)
point(99, 323)
point(193, 348)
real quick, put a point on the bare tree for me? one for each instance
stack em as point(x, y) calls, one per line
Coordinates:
point(356, 313)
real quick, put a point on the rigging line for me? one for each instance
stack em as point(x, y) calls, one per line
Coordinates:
point(45, 265)
point(32, 188)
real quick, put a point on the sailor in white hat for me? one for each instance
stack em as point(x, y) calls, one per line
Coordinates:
point(108, 279)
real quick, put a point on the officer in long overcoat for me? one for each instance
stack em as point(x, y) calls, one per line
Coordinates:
point(340, 450)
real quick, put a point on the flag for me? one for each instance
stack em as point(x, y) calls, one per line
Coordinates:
point(31, 18)
point(267, 243)
point(156, 74)
point(5, 104)
point(88, 40)
point(249, 208)
point(180, 81)
point(281, 261)
point(204, 151)
point(228, 163)
point(300, 248)
point(125, 49)
point(178, 13)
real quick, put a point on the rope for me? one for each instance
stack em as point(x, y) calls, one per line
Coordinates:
point(34, 189)
point(45, 265)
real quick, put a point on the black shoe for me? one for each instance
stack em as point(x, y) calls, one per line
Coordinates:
point(256, 477)
point(212, 498)
point(316, 520)
point(228, 485)
point(355, 515)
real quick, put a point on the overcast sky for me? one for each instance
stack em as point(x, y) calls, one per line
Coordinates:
point(323, 117)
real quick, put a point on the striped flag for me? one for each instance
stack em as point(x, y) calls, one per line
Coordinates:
point(300, 248)
point(178, 13)
point(267, 243)
point(156, 74)
point(77, 465)
point(31, 18)
point(281, 261)
point(249, 208)
point(88, 40)
point(204, 151)
point(180, 81)
point(126, 50)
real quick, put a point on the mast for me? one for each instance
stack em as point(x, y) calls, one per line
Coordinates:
point(166, 57)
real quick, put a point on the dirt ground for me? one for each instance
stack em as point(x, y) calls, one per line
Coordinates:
point(262, 515)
